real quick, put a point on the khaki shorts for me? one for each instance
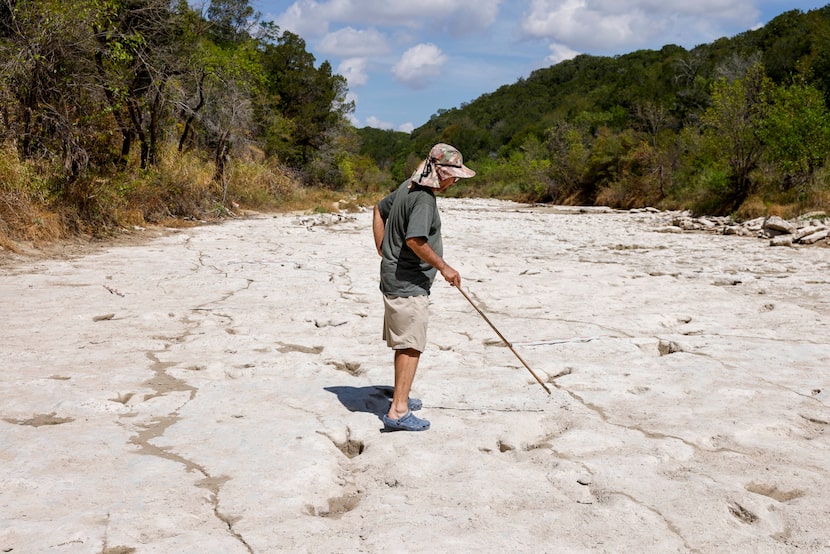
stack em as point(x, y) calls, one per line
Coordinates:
point(405, 321)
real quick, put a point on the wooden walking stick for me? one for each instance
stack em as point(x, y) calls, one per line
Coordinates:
point(510, 346)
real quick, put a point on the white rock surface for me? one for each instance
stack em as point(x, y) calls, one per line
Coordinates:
point(218, 390)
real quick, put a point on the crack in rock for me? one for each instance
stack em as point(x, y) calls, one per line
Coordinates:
point(672, 527)
point(163, 383)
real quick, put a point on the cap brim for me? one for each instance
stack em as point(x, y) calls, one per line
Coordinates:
point(462, 172)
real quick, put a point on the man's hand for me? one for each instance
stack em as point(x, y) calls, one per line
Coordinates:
point(451, 275)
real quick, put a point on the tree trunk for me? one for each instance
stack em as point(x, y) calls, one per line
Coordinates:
point(221, 156)
point(155, 116)
point(117, 114)
point(189, 121)
point(136, 118)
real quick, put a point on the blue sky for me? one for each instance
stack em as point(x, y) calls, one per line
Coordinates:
point(406, 59)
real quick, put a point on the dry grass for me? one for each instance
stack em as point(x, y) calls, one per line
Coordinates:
point(320, 200)
point(788, 204)
point(24, 215)
point(266, 187)
point(185, 185)
point(179, 192)
point(627, 195)
point(23, 220)
point(752, 207)
point(260, 186)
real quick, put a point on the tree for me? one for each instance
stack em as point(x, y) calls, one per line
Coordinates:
point(570, 150)
point(231, 20)
point(49, 105)
point(817, 63)
point(796, 131)
point(138, 53)
point(313, 99)
point(656, 123)
point(731, 126)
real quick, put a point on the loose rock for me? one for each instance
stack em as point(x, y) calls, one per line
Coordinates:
point(779, 225)
point(808, 229)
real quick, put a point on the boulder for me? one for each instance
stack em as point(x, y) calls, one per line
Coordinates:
point(739, 230)
point(685, 223)
point(815, 237)
point(778, 225)
point(781, 240)
point(805, 231)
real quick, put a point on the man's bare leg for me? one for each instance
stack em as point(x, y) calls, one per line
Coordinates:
point(406, 363)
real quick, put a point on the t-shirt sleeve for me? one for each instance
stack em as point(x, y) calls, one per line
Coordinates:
point(385, 205)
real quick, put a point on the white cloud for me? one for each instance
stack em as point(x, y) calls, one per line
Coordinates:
point(606, 25)
point(354, 70)
point(349, 42)
point(353, 119)
point(560, 53)
point(459, 16)
point(299, 19)
point(419, 65)
point(576, 23)
point(373, 121)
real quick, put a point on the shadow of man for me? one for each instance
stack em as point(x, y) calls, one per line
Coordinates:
point(373, 400)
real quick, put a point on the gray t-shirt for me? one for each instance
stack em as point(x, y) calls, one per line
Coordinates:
point(409, 213)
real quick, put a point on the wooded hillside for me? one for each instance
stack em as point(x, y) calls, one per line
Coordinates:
point(738, 123)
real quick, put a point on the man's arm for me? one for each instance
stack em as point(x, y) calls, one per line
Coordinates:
point(378, 227)
point(424, 251)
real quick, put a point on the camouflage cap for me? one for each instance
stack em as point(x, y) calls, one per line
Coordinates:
point(443, 161)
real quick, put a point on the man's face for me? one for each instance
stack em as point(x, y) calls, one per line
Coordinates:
point(445, 183)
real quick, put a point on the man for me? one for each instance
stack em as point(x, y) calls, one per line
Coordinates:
point(407, 231)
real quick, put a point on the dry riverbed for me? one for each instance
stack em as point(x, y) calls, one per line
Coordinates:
point(218, 389)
